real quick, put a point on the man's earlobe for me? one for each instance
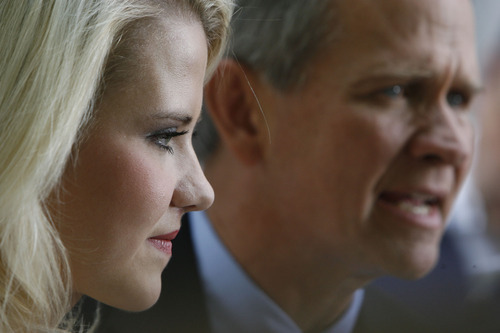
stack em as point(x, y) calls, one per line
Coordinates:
point(236, 112)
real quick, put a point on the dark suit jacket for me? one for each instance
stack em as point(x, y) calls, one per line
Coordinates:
point(181, 307)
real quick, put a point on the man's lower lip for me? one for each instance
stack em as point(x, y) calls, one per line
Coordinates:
point(432, 220)
point(162, 245)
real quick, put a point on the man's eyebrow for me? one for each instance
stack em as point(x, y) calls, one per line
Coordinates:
point(388, 78)
point(389, 69)
point(476, 87)
point(384, 73)
point(392, 73)
point(412, 72)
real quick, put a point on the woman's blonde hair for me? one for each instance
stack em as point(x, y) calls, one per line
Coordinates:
point(53, 55)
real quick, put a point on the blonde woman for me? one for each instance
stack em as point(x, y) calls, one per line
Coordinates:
point(98, 101)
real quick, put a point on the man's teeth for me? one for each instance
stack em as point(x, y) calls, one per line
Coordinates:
point(414, 208)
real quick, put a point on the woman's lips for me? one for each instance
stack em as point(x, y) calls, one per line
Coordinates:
point(164, 242)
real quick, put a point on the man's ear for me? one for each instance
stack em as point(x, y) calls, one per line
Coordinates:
point(232, 101)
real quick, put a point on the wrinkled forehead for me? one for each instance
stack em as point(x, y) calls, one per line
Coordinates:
point(419, 35)
point(399, 19)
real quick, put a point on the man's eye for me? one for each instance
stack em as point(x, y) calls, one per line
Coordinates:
point(387, 95)
point(393, 91)
point(456, 99)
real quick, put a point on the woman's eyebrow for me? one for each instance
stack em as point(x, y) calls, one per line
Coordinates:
point(182, 117)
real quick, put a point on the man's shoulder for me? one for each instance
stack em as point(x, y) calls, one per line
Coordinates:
point(381, 313)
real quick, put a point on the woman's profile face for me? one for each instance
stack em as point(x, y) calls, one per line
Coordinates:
point(136, 172)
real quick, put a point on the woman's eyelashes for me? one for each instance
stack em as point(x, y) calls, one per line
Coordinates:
point(162, 138)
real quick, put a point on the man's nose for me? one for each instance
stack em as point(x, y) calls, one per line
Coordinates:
point(444, 136)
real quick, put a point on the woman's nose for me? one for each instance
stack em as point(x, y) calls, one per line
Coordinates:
point(193, 191)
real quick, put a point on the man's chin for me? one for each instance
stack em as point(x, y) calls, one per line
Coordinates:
point(417, 267)
point(411, 262)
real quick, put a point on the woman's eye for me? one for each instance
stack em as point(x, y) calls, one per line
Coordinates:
point(456, 99)
point(162, 138)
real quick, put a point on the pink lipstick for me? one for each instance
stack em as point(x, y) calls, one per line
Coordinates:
point(164, 242)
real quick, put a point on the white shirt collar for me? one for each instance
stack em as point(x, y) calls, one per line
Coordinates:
point(235, 303)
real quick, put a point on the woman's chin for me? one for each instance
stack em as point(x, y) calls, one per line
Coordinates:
point(140, 299)
point(142, 303)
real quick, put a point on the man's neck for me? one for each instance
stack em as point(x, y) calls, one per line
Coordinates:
point(313, 288)
point(313, 295)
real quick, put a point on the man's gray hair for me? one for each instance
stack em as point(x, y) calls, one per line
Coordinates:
point(278, 39)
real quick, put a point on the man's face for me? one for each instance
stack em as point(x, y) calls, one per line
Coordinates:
point(366, 159)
